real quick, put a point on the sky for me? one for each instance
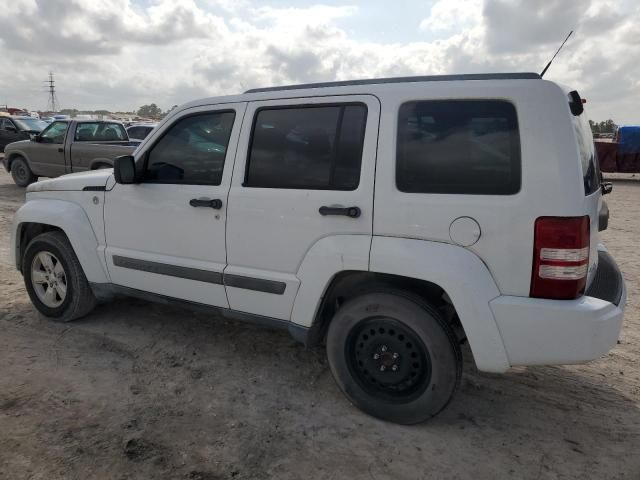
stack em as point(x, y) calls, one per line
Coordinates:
point(121, 54)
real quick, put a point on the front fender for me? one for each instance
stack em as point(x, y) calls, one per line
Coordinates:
point(464, 278)
point(10, 153)
point(70, 218)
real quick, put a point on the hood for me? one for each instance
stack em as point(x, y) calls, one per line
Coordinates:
point(95, 180)
point(18, 144)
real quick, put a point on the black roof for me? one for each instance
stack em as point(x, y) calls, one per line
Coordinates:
point(427, 78)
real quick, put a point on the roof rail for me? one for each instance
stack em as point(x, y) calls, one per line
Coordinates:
point(427, 78)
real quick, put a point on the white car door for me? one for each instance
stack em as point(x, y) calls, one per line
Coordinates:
point(166, 234)
point(304, 172)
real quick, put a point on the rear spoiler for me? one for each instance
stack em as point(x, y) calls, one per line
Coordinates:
point(576, 103)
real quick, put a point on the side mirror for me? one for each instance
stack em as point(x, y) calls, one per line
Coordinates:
point(34, 137)
point(124, 169)
point(606, 187)
point(11, 128)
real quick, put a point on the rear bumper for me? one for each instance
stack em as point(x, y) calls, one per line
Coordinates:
point(537, 332)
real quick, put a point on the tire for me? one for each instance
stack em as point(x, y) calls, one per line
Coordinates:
point(21, 173)
point(418, 349)
point(78, 299)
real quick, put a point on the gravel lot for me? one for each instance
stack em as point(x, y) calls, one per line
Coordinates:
point(139, 390)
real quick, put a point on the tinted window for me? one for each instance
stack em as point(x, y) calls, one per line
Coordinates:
point(139, 132)
point(588, 158)
point(307, 147)
point(192, 151)
point(55, 133)
point(5, 124)
point(458, 146)
point(109, 132)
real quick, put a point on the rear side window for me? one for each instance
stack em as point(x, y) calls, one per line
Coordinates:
point(308, 147)
point(458, 147)
point(100, 132)
point(588, 158)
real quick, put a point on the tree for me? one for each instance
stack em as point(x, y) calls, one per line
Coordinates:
point(608, 126)
point(150, 111)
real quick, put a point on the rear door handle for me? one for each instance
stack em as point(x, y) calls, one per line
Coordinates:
point(351, 212)
point(60, 150)
point(206, 202)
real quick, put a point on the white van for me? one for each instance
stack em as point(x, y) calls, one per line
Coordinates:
point(392, 219)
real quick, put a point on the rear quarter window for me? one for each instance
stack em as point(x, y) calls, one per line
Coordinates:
point(588, 157)
point(458, 147)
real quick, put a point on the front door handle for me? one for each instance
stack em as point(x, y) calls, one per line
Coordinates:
point(351, 212)
point(206, 202)
point(60, 150)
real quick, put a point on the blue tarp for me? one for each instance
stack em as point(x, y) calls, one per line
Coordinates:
point(628, 139)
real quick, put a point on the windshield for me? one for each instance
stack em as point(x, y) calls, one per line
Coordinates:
point(32, 124)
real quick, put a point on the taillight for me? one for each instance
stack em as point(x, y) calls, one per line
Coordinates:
point(560, 257)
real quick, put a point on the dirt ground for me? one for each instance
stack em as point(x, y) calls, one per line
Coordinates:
point(139, 390)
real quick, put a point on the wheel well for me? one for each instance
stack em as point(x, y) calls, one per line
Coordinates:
point(27, 232)
point(11, 158)
point(99, 164)
point(349, 284)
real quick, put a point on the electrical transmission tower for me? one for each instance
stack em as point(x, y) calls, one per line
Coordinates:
point(50, 87)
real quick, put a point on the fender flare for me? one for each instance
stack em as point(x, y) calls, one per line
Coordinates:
point(323, 261)
point(16, 153)
point(100, 161)
point(464, 278)
point(73, 221)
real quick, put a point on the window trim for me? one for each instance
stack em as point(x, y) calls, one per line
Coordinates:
point(144, 160)
point(245, 183)
point(453, 100)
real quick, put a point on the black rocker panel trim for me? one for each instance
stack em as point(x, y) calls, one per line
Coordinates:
point(238, 281)
point(170, 270)
point(257, 284)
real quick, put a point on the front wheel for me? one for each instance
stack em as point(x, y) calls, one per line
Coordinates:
point(54, 278)
point(21, 173)
point(394, 356)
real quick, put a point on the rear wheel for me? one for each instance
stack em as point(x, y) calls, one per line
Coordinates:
point(394, 356)
point(54, 278)
point(21, 173)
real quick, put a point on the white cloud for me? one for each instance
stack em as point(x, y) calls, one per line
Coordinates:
point(117, 54)
point(447, 15)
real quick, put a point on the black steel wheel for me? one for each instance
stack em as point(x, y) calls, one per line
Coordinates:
point(388, 359)
point(394, 356)
point(21, 173)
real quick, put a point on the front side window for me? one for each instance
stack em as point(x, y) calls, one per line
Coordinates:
point(192, 151)
point(54, 133)
point(458, 147)
point(307, 147)
point(6, 125)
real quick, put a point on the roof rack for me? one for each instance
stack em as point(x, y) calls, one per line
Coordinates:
point(427, 78)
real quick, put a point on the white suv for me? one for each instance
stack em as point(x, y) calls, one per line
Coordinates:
point(392, 219)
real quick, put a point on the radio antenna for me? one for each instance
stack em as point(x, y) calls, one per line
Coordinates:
point(554, 55)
